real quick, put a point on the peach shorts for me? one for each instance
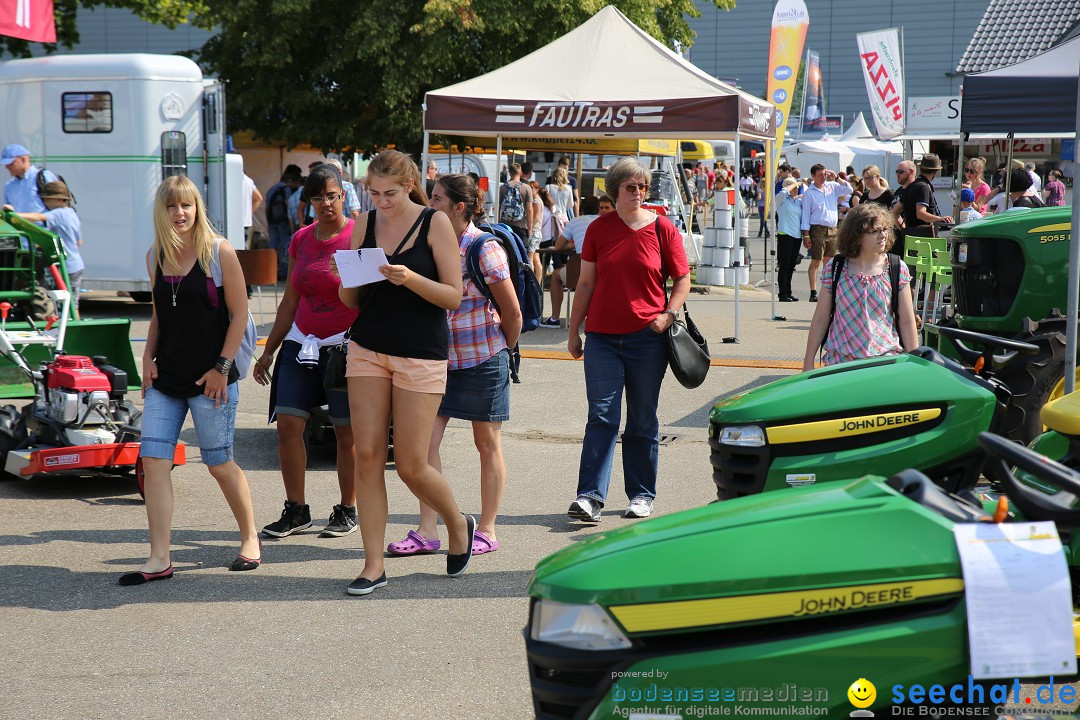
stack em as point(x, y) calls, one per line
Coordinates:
point(412, 374)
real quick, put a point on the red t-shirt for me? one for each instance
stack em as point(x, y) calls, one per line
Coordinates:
point(320, 312)
point(629, 290)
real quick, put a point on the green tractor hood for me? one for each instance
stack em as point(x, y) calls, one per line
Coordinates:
point(869, 385)
point(766, 558)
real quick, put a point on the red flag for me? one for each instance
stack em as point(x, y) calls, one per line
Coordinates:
point(28, 20)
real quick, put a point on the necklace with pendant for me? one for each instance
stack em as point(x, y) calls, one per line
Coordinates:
point(175, 287)
point(324, 239)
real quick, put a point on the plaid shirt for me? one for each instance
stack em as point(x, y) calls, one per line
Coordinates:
point(475, 327)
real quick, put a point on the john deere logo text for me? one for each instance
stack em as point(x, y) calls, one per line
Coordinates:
point(854, 600)
point(880, 421)
point(579, 115)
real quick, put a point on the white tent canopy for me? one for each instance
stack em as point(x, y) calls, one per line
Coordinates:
point(859, 130)
point(857, 147)
point(605, 78)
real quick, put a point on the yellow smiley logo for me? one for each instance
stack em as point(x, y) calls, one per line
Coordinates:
point(862, 693)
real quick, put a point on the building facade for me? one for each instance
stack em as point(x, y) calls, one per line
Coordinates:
point(734, 45)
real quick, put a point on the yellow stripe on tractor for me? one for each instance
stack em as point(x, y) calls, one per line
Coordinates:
point(849, 426)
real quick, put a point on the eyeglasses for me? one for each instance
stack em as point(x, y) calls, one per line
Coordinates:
point(329, 198)
point(970, 170)
point(632, 187)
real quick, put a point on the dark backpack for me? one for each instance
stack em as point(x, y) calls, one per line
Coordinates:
point(41, 182)
point(839, 261)
point(512, 208)
point(529, 294)
point(277, 205)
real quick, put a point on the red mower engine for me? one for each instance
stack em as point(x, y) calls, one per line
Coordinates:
point(75, 385)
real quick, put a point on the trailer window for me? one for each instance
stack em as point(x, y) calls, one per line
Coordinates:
point(173, 153)
point(87, 112)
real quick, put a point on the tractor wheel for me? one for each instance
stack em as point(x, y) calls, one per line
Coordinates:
point(142, 296)
point(1035, 379)
point(40, 306)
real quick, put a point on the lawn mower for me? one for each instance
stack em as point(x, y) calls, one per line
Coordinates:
point(777, 600)
point(876, 416)
point(79, 419)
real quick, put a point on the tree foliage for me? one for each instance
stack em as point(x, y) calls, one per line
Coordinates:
point(352, 76)
point(160, 12)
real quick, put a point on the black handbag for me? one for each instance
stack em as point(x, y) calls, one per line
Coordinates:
point(688, 352)
point(337, 356)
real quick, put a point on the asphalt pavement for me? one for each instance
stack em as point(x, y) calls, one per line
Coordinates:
point(285, 640)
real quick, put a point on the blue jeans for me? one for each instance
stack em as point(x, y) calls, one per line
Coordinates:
point(164, 415)
point(280, 237)
point(635, 362)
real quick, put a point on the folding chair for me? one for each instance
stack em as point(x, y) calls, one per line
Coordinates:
point(260, 268)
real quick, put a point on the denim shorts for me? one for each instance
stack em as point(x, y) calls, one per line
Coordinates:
point(480, 393)
point(299, 388)
point(164, 415)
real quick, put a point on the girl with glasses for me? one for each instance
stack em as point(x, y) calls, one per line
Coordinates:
point(973, 177)
point(854, 318)
point(875, 189)
point(310, 319)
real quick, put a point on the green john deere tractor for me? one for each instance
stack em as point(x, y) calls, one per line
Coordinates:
point(1009, 279)
point(26, 253)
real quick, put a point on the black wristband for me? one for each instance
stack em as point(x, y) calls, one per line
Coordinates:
point(223, 365)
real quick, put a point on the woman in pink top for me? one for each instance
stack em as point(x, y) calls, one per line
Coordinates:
point(973, 177)
point(310, 318)
point(1054, 192)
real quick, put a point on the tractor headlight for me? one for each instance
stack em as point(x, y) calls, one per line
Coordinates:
point(743, 436)
point(582, 627)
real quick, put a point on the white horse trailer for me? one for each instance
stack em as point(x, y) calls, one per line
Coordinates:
point(114, 126)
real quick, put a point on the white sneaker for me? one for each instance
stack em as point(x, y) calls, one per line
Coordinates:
point(585, 509)
point(639, 507)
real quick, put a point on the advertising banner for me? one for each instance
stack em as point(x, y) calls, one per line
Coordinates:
point(28, 20)
point(879, 52)
point(813, 113)
point(933, 114)
point(789, 23)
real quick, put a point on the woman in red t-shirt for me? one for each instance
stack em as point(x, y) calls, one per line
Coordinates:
point(626, 259)
point(311, 318)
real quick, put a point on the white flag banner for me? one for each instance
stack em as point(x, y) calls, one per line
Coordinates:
point(879, 52)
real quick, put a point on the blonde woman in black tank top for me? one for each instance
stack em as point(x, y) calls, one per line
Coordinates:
point(395, 370)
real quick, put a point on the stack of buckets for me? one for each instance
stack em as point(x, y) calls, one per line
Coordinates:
point(723, 258)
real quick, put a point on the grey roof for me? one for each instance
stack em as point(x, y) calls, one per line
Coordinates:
point(1014, 30)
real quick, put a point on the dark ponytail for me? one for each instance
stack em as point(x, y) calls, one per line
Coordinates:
point(461, 188)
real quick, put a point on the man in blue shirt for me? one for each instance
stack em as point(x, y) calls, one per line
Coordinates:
point(21, 191)
point(820, 217)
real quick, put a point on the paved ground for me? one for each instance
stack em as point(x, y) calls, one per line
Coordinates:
point(285, 640)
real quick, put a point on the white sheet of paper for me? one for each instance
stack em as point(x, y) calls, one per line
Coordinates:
point(1019, 605)
point(361, 266)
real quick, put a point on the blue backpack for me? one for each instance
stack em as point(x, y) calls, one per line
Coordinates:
point(529, 293)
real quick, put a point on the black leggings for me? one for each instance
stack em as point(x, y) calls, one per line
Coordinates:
point(787, 257)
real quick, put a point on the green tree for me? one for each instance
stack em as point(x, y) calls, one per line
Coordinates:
point(352, 76)
point(161, 12)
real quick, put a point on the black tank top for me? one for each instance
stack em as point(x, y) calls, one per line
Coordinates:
point(191, 333)
point(396, 321)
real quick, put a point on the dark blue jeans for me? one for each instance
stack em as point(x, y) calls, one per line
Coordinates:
point(634, 363)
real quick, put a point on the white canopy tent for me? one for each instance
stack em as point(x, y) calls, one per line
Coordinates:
point(856, 147)
point(607, 78)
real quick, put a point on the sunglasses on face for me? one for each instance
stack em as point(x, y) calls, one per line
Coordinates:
point(632, 187)
point(970, 171)
point(901, 172)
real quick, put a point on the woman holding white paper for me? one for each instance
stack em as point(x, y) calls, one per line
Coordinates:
point(398, 358)
point(310, 318)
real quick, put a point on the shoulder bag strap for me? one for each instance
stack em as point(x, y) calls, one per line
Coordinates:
point(420, 218)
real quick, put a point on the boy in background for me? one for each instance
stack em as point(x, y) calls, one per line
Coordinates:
point(967, 207)
point(60, 218)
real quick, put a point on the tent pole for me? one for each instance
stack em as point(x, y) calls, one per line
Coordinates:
point(960, 177)
point(498, 178)
point(1008, 172)
point(770, 209)
point(737, 266)
point(424, 155)
point(1074, 279)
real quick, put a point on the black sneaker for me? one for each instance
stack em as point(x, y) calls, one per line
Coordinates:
point(550, 322)
point(813, 297)
point(363, 586)
point(342, 522)
point(294, 518)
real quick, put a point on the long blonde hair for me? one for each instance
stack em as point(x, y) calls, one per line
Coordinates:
point(400, 168)
point(560, 178)
point(167, 243)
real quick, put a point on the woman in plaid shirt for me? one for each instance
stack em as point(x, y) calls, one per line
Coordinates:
point(478, 381)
